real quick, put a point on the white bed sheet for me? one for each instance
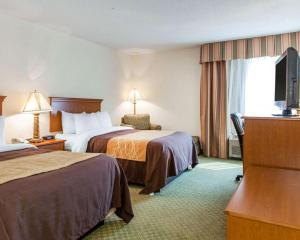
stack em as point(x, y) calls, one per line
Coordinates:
point(13, 147)
point(79, 142)
point(69, 139)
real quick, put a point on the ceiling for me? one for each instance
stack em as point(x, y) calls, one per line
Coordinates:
point(159, 24)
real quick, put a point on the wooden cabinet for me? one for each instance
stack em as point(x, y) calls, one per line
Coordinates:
point(265, 206)
point(266, 203)
point(272, 142)
point(54, 144)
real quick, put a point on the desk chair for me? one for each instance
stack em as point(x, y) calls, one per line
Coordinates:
point(238, 123)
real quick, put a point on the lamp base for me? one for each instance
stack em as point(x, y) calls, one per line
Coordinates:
point(36, 129)
point(35, 140)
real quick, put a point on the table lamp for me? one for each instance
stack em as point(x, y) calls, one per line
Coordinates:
point(133, 97)
point(36, 104)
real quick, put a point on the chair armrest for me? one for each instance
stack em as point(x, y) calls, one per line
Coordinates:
point(126, 125)
point(155, 127)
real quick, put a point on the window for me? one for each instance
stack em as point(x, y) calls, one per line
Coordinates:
point(260, 86)
point(250, 88)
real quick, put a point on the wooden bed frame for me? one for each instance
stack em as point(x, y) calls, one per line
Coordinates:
point(71, 105)
point(1, 101)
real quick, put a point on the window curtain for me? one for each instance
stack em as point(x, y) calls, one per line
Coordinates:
point(260, 86)
point(213, 112)
point(214, 88)
point(250, 88)
point(236, 82)
point(271, 46)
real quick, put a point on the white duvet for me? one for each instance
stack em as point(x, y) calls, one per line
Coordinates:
point(13, 147)
point(79, 142)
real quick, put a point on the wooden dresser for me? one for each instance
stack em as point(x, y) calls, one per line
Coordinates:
point(272, 142)
point(266, 205)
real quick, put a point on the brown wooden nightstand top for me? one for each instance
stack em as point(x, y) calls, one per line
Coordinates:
point(53, 144)
point(48, 142)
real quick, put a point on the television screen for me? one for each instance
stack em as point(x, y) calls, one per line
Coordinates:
point(287, 81)
point(280, 80)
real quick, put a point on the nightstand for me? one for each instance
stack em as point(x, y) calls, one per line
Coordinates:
point(54, 144)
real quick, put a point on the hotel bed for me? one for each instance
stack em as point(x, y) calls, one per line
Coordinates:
point(149, 158)
point(57, 194)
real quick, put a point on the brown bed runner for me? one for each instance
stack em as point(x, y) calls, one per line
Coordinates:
point(133, 146)
point(40, 163)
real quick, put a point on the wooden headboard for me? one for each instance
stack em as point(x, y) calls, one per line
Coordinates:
point(1, 101)
point(71, 105)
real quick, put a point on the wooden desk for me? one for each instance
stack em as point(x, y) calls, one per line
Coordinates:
point(272, 141)
point(266, 206)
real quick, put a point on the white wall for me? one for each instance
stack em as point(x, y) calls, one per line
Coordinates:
point(169, 83)
point(56, 64)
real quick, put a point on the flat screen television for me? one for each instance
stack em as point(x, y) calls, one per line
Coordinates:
point(287, 81)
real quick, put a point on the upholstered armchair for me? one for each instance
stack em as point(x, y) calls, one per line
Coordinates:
point(139, 121)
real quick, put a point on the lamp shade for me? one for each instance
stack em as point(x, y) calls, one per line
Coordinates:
point(36, 103)
point(134, 95)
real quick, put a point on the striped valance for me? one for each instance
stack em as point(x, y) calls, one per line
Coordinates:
point(272, 45)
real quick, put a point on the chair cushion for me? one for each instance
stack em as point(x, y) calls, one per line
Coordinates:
point(139, 121)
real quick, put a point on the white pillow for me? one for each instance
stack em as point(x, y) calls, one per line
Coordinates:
point(104, 119)
point(86, 122)
point(68, 122)
point(2, 130)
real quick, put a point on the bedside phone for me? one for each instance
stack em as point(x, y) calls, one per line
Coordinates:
point(19, 140)
point(49, 137)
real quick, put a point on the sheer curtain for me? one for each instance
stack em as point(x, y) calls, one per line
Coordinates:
point(260, 86)
point(250, 88)
point(236, 81)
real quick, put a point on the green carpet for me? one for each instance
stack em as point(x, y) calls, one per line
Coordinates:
point(190, 207)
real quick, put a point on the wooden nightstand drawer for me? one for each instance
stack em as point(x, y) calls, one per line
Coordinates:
point(51, 144)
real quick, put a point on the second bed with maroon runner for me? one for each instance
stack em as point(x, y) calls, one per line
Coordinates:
point(166, 156)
